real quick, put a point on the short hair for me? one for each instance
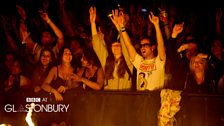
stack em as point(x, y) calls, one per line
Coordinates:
point(151, 39)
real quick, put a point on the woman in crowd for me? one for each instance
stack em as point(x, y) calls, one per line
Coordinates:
point(17, 85)
point(17, 81)
point(44, 65)
point(114, 59)
point(91, 74)
point(199, 80)
point(58, 81)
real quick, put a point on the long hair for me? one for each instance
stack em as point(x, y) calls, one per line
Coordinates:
point(60, 55)
point(51, 63)
point(91, 57)
point(110, 65)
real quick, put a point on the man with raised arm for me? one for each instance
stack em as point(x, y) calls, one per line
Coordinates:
point(150, 67)
point(47, 38)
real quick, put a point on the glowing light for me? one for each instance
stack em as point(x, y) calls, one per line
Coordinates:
point(29, 114)
point(5, 125)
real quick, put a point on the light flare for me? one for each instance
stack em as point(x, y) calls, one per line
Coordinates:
point(29, 115)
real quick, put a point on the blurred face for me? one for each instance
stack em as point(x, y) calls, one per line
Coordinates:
point(85, 63)
point(67, 56)
point(46, 38)
point(9, 60)
point(116, 48)
point(46, 58)
point(146, 49)
point(191, 51)
point(16, 69)
point(217, 48)
point(198, 64)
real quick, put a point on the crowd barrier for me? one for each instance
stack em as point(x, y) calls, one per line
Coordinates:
point(120, 108)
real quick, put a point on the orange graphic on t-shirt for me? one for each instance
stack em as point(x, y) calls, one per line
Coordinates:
point(148, 67)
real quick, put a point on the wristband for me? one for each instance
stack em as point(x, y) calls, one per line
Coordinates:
point(122, 29)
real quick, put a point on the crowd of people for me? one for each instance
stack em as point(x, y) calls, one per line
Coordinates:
point(131, 49)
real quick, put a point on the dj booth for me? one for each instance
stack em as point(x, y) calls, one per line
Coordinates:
point(123, 108)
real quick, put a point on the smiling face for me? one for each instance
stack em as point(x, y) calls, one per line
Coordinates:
point(67, 56)
point(116, 48)
point(45, 58)
point(147, 50)
point(197, 64)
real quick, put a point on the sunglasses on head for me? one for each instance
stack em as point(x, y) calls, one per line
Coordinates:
point(145, 45)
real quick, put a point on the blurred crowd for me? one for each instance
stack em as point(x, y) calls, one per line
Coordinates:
point(127, 46)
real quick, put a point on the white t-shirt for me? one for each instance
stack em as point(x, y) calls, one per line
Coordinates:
point(150, 73)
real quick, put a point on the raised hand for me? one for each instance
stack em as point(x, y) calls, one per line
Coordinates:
point(23, 32)
point(163, 16)
point(177, 29)
point(117, 19)
point(92, 14)
point(44, 16)
point(154, 19)
point(21, 12)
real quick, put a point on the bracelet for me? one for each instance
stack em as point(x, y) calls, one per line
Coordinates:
point(122, 29)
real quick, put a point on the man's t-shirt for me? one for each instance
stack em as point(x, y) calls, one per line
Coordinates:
point(150, 73)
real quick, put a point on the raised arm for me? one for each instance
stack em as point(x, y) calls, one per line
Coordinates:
point(57, 31)
point(118, 20)
point(66, 22)
point(10, 40)
point(164, 18)
point(160, 47)
point(98, 42)
point(218, 21)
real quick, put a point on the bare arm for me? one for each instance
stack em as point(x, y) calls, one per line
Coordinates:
point(65, 19)
point(10, 40)
point(98, 84)
point(159, 37)
point(218, 21)
point(57, 31)
point(118, 21)
point(46, 84)
point(98, 42)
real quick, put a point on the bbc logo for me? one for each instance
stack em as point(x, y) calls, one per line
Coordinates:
point(33, 99)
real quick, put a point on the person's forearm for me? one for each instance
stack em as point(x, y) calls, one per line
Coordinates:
point(66, 22)
point(11, 41)
point(128, 44)
point(46, 87)
point(160, 42)
point(91, 84)
point(56, 30)
point(93, 28)
point(167, 31)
